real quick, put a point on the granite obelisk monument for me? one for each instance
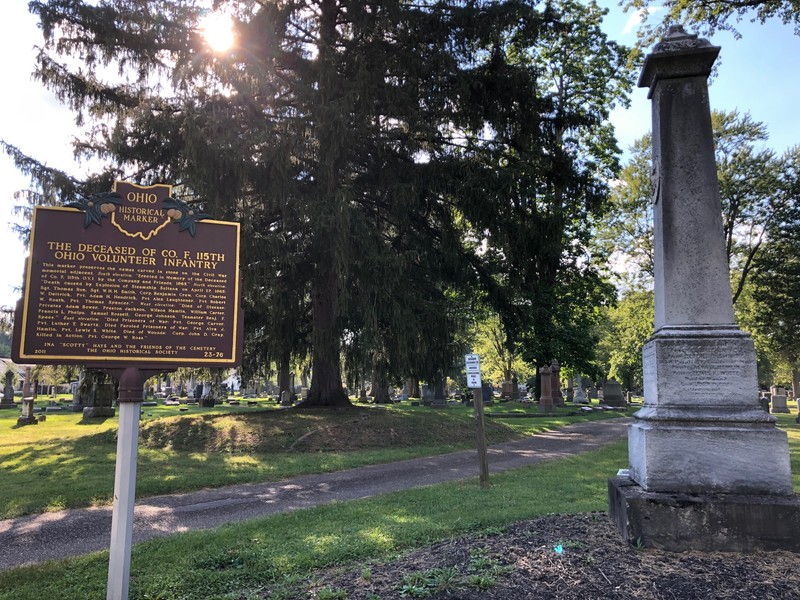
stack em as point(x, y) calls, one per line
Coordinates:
point(708, 468)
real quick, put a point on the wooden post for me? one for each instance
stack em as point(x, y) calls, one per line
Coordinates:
point(483, 461)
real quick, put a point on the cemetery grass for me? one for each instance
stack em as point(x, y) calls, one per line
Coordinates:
point(451, 541)
point(68, 462)
point(538, 532)
point(284, 556)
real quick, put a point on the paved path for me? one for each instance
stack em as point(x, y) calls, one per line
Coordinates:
point(37, 538)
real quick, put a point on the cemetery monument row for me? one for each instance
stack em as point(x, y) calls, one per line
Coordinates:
point(708, 468)
point(130, 276)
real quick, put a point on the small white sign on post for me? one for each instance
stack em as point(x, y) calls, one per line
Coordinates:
point(473, 381)
point(473, 362)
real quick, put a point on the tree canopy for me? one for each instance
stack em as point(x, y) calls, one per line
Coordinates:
point(713, 15)
point(392, 163)
point(749, 185)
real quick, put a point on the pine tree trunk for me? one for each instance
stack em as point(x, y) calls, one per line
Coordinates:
point(326, 372)
point(283, 374)
point(413, 388)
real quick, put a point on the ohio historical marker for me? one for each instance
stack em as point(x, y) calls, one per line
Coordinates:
point(131, 276)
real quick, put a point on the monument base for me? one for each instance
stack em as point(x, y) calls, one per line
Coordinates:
point(4, 404)
point(679, 522)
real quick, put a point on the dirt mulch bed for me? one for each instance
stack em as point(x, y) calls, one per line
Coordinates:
point(565, 557)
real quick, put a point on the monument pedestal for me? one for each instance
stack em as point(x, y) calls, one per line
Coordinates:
point(700, 399)
point(679, 522)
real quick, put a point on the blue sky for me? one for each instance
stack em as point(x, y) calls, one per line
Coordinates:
point(757, 73)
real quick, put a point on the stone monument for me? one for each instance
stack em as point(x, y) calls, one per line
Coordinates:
point(779, 400)
point(27, 415)
point(555, 383)
point(7, 400)
point(612, 394)
point(546, 394)
point(580, 398)
point(698, 478)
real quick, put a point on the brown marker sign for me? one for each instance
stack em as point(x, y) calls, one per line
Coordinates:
point(132, 278)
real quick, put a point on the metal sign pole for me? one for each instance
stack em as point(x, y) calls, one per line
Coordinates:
point(130, 403)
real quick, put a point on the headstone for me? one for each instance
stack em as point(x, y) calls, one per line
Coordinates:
point(8, 392)
point(99, 401)
point(514, 388)
point(612, 394)
point(286, 398)
point(506, 389)
point(546, 397)
point(439, 395)
point(427, 395)
point(487, 394)
point(701, 437)
point(27, 416)
point(570, 391)
point(779, 400)
point(593, 393)
point(580, 397)
point(555, 383)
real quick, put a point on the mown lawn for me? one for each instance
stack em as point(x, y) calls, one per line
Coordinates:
point(265, 558)
point(68, 462)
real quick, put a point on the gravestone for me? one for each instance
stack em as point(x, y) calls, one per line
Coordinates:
point(612, 394)
point(779, 400)
point(8, 392)
point(708, 468)
point(427, 395)
point(555, 383)
point(286, 398)
point(439, 395)
point(27, 416)
point(580, 398)
point(487, 395)
point(98, 401)
point(546, 395)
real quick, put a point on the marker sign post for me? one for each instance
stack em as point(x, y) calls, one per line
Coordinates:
point(134, 283)
point(473, 368)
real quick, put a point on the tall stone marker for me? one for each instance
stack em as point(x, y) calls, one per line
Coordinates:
point(708, 468)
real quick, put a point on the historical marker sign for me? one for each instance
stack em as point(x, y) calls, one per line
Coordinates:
point(134, 277)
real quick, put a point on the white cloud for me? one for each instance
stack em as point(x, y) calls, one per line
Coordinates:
point(638, 16)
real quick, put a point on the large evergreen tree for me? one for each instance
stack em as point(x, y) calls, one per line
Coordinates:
point(370, 149)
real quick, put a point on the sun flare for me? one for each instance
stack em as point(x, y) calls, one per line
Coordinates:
point(217, 31)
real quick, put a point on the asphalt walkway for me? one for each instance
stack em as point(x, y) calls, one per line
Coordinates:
point(38, 538)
